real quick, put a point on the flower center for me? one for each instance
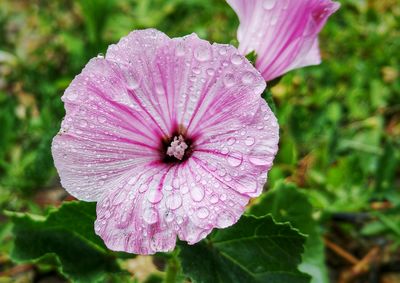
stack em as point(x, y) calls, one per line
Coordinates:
point(177, 148)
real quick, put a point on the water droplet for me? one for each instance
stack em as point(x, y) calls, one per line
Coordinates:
point(143, 188)
point(132, 82)
point(196, 70)
point(249, 141)
point(202, 53)
point(210, 72)
point(248, 78)
point(197, 193)
point(101, 119)
point(175, 183)
point(184, 189)
point(229, 79)
point(225, 150)
point(180, 49)
point(179, 220)
point(168, 187)
point(235, 159)
point(173, 201)
point(236, 59)
point(169, 216)
point(269, 4)
point(154, 196)
point(214, 198)
point(223, 50)
point(150, 215)
point(202, 212)
point(231, 140)
point(274, 19)
point(224, 220)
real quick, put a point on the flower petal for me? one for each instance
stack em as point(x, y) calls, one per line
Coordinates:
point(283, 33)
point(136, 54)
point(241, 154)
point(103, 134)
point(134, 218)
point(208, 84)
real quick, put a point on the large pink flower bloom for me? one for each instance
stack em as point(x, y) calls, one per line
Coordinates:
point(283, 33)
point(169, 136)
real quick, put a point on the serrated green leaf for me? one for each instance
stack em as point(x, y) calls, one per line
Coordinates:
point(253, 250)
point(67, 234)
point(287, 204)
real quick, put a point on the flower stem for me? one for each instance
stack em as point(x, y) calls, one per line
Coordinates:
point(172, 271)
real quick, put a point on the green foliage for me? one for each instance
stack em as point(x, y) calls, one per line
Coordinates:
point(68, 235)
point(253, 250)
point(299, 214)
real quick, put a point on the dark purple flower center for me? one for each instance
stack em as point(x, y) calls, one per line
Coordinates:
point(176, 149)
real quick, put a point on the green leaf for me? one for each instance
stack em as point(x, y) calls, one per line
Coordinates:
point(68, 235)
point(252, 57)
point(287, 204)
point(267, 95)
point(253, 250)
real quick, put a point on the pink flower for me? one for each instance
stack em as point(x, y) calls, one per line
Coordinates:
point(169, 136)
point(283, 33)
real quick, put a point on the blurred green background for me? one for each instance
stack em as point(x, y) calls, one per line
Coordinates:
point(340, 121)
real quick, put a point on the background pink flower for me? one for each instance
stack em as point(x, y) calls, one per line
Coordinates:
point(283, 33)
point(170, 136)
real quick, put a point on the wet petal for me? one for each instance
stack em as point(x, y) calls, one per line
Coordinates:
point(103, 135)
point(283, 33)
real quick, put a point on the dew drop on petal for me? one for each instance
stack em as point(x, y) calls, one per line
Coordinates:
point(234, 159)
point(101, 119)
point(224, 220)
point(225, 151)
point(184, 189)
point(196, 193)
point(214, 198)
point(159, 89)
point(202, 53)
point(210, 72)
point(229, 79)
point(231, 140)
point(143, 188)
point(132, 83)
point(269, 4)
point(175, 183)
point(196, 70)
point(236, 59)
point(179, 220)
point(154, 196)
point(202, 212)
point(223, 50)
point(248, 78)
point(150, 215)
point(249, 141)
point(173, 201)
point(180, 49)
